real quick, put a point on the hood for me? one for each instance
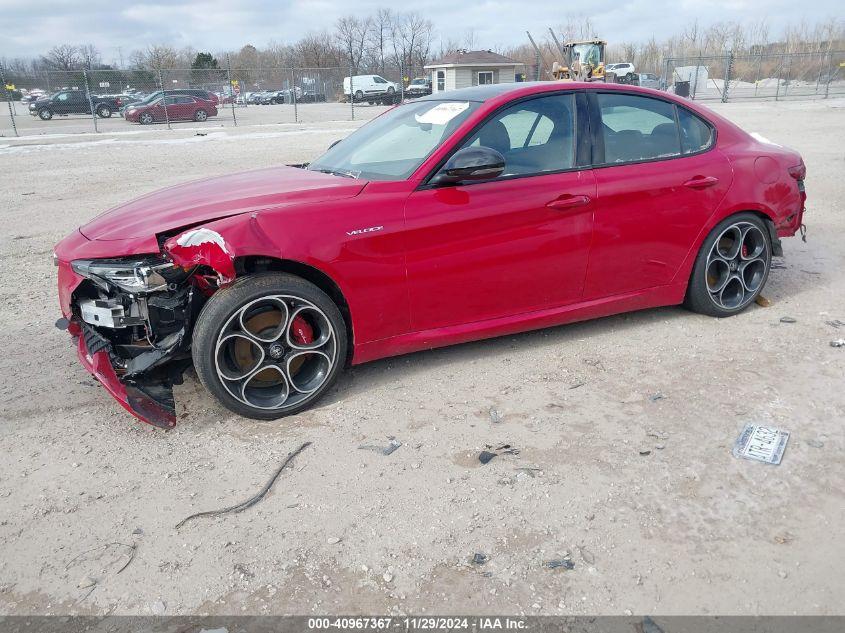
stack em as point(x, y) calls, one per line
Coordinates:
point(215, 198)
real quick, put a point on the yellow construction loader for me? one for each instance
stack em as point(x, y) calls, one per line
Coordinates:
point(584, 61)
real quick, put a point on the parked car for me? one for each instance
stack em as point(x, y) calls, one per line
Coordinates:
point(31, 96)
point(73, 102)
point(361, 86)
point(493, 210)
point(419, 87)
point(178, 108)
point(275, 97)
point(254, 98)
point(624, 71)
point(204, 95)
point(648, 80)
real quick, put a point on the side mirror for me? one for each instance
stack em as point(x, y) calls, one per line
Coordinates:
point(470, 164)
point(333, 143)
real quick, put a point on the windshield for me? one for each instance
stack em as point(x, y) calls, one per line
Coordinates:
point(417, 82)
point(392, 146)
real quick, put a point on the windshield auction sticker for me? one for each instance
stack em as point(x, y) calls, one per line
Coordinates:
point(442, 113)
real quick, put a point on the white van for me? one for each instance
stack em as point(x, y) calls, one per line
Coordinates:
point(363, 85)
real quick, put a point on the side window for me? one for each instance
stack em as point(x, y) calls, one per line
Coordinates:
point(379, 80)
point(184, 100)
point(637, 128)
point(696, 135)
point(534, 136)
point(171, 100)
point(441, 81)
point(62, 97)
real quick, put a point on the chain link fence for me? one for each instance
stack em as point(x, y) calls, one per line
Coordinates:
point(730, 77)
point(116, 101)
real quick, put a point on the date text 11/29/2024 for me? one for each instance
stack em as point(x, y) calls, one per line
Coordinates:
point(428, 623)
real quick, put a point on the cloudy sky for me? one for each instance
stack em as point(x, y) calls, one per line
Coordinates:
point(30, 27)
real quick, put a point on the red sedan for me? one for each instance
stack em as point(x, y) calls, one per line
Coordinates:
point(459, 216)
point(172, 108)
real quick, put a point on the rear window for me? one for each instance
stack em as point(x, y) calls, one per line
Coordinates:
point(696, 135)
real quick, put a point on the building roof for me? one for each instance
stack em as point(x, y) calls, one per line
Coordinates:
point(473, 58)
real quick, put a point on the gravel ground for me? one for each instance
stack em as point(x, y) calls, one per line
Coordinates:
point(683, 529)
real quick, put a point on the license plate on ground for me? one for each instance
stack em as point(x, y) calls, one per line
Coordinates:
point(761, 443)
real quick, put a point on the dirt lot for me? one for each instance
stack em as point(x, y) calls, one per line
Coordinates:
point(684, 529)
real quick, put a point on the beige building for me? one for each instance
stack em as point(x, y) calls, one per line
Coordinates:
point(463, 69)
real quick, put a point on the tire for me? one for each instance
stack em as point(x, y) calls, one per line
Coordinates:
point(104, 112)
point(391, 90)
point(359, 95)
point(229, 357)
point(731, 268)
point(146, 118)
point(200, 116)
point(45, 114)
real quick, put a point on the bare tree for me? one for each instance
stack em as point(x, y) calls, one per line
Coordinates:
point(317, 50)
point(351, 34)
point(382, 26)
point(90, 56)
point(155, 57)
point(62, 57)
point(411, 36)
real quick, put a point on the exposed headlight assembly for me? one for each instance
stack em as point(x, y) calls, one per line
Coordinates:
point(139, 276)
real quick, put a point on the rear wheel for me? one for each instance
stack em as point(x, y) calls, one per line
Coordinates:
point(359, 95)
point(731, 268)
point(269, 345)
point(200, 115)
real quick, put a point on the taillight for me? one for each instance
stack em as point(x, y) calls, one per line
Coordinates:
point(798, 171)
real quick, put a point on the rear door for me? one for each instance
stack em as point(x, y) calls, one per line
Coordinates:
point(659, 177)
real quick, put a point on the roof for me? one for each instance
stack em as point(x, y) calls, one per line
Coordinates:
point(473, 58)
point(488, 92)
point(480, 93)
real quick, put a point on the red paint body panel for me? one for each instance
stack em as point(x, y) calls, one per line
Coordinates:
point(646, 219)
point(469, 247)
point(423, 267)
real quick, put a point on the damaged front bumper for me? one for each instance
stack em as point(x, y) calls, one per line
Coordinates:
point(132, 319)
point(149, 398)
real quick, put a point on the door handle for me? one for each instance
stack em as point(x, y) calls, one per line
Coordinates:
point(701, 182)
point(567, 202)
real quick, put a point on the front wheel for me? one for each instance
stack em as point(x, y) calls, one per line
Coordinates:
point(45, 114)
point(269, 345)
point(391, 90)
point(145, 119)
point(732, 266)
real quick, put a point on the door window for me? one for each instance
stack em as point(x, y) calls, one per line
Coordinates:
point(379, 80)
point(534, 136)
point(637, 128)
point(696, 135)
point(63, 97)
point(485, 77)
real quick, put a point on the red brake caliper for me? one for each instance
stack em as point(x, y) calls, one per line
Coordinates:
point(301, 331)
